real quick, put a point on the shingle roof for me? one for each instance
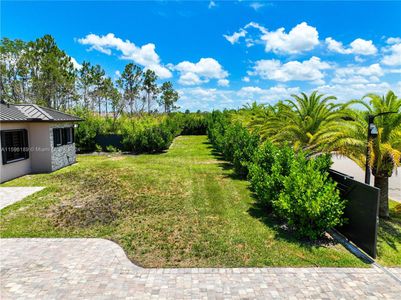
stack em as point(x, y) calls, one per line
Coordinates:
point(33, 113)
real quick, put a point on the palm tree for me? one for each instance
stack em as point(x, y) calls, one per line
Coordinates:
point(349, 138)
point(300, 121)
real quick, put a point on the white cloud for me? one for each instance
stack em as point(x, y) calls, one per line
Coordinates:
point(300, 38)
point(246, 79)
point(190, 79)
point(211, 4)
point(235, 36)
point(358, 74)
point(393, 40)
point(345, 92)
point(358, 46)
point(207, 99)
point(272, 94)
point(145, 55)
point(76, 64)
point(223, 82)
point(394, 56)
point(371, 70)
point(200, 72)
point(257, 26)
point(256, 5)
point(308, 70)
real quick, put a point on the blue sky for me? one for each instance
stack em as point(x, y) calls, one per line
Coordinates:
point(223, 54)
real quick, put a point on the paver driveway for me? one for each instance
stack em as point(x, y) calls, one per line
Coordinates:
point(97, 268)
point(10, 195)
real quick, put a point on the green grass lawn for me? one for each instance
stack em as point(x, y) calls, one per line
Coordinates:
point(183, 208)
point(389, 237)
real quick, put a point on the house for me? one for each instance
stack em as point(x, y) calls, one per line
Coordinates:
point(35, 139)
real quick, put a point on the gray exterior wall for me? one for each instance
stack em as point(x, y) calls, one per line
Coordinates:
point(64, 155)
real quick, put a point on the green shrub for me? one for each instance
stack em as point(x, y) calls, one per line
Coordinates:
point(98, 148)
point(194, 124)
point(260, 171)
point(111, 148)
point(309, 200)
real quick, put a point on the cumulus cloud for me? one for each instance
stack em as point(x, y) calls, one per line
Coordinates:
point(235, 36)
point(200, 72)
point(246, 79)
point(145, 55)
point(358, 46)
point(194, 98)
point(358, 74)
point(300, 38)
point(393, 40)
point(308, 70)
point(345, 92)
point(393, 58)
point(223, 82)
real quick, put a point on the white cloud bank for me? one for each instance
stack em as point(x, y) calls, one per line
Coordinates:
point(358, 46)
point(202, 71)
point(393, 58)
point(145, 55)
point(308, 70)
point(299, 39)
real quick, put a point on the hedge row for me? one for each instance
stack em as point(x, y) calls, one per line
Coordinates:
point(295, 187)
point(139, 134)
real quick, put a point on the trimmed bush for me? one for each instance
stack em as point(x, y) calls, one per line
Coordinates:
point(309, 201)
point(295, 187)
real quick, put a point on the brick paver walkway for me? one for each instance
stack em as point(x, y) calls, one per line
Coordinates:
point(10, 195)
point(97, 268)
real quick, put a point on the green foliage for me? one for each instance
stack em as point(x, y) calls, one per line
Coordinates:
point(295, 186)
point(309, 201)
point(140, 134)
point(111, 148)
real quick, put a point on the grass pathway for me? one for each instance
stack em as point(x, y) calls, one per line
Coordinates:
point(183, 208)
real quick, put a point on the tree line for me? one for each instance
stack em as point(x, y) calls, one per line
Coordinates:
point(39, 72)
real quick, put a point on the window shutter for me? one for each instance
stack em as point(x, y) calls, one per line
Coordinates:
point(64, 135)
point(73, 134)
point(25, 143)
point(55, 134)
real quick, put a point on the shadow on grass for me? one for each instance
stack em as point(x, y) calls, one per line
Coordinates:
point(390, 230)
point(265, 215)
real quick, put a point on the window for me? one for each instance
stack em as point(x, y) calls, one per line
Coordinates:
point(63, 136)
point(14, 145)
point(68, 135)
point(57, 137)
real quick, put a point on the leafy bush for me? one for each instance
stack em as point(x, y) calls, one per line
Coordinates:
point(194, 124)
point(260, 172)
point(309, 200)
point(296, 187)
point(111, 148)
point(244, 152)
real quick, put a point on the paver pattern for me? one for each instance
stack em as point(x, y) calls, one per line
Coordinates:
point(10, 195)
point(97, 268)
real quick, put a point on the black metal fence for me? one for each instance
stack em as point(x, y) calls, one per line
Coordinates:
point(105, 140)
point(361, 211)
